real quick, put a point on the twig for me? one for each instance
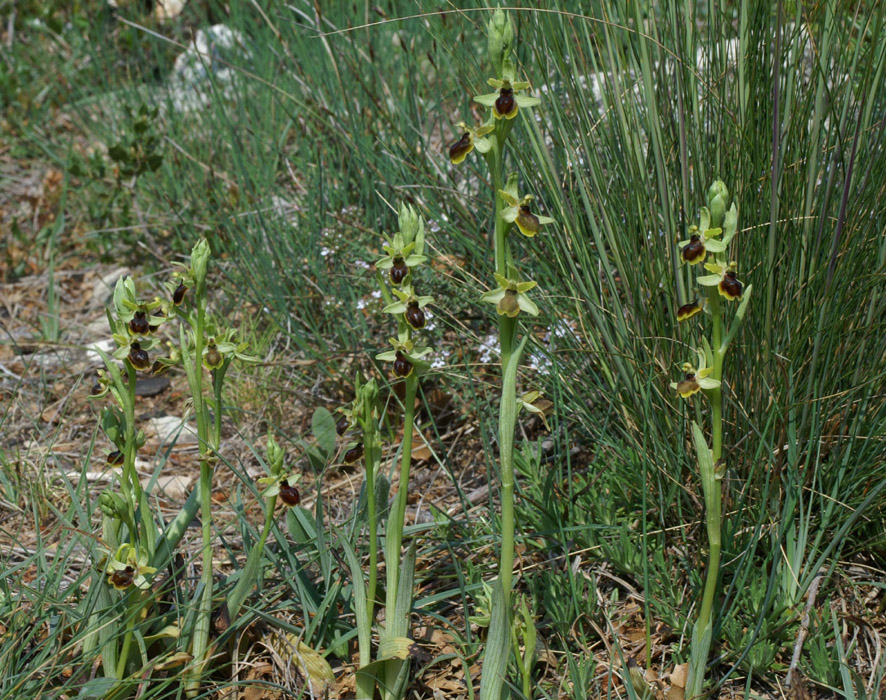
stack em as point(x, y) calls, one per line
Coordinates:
point(804, 628)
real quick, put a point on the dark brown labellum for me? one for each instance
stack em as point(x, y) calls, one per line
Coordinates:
point(289, 494)
point(355, 453)
point(527, 220)
point(505, 103)
point(402, 366)
point(123, 578)
point(96, 389)
point(158, 368)
point(139, 324)
point(688, 310)
point(178, 296)
point(399, 271)
point(138, 357)
point(730, 286)
point(342, 425)
point(415, 317)
point(694, 249)
point(461, 148)
point(115, 458)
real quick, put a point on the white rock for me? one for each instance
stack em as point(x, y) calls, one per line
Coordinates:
point(165, 429)
point(174, 487)
point(103, 288)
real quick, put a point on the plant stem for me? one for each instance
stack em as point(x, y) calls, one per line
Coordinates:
point(708, 467)
point(127, 639)
point(369, 452)
point(398, 512)
point(201, 625)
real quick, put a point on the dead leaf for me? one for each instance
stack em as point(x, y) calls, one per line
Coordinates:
point(678, 675)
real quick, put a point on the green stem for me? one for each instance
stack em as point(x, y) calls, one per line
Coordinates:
point(398, 512)
point(201, 625)
point(130, 478)
point(369, 452)
point(127, 639)
point(719, 354)
point(713, 504)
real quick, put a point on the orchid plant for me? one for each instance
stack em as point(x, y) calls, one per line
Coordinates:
point(137, 547)
point(512, 301)
point(395, 273)
point(707, 246)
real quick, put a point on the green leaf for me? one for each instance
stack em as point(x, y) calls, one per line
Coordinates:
point(393, 647)
point(364, 633)
point(301, 525)
point(323, 428)
point(498, 648)
point(100, 687)
point(248, 577)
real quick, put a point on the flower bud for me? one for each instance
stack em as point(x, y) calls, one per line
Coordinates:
point(500, 32)
point(368, 393)
point(275, 455)
point(200, 261)
point(409, 221)
point(112, 505)
point(717, 199)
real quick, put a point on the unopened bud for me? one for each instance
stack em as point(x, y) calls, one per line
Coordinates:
point(717, 199)
point(501, 41)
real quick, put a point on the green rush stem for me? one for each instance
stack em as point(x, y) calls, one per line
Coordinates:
point(368, 451)
point(399, 511)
